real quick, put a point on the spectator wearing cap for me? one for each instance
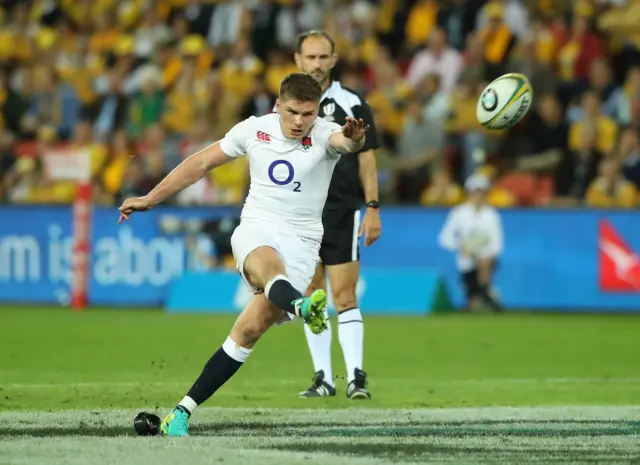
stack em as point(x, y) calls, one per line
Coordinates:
point(192, 51)
point(473, 231)
point(187, 98)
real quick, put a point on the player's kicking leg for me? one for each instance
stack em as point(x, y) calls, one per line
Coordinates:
point(343, 279)
point(264, 269)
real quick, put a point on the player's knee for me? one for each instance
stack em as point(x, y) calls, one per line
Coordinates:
point(263, 266)
point(344, 298)
point(248, 334)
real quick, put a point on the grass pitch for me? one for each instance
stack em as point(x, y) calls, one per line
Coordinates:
point(445, 389)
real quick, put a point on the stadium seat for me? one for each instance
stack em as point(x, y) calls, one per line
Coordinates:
point(521, 185)
point(544, 191)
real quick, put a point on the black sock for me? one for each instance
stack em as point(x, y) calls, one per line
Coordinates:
point(489, 299)
point(218, 370)
point(281, 293)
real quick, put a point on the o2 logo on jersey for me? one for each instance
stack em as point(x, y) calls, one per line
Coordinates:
point(281, 173)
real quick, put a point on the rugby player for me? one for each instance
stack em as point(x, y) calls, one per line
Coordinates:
point(292, 155)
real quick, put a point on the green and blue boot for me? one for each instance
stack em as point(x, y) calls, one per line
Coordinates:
point(176, 423)
point(311, 310)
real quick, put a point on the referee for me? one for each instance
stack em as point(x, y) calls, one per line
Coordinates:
point(354, 183)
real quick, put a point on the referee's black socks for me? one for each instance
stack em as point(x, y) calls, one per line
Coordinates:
point(281, 293)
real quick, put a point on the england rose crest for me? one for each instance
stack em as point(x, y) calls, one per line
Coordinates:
point(306, 143)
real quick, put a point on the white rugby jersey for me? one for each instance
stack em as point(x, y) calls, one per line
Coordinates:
point(480, 231)
point(289, 178)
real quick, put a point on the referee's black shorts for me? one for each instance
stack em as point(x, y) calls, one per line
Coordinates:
point(340, 242)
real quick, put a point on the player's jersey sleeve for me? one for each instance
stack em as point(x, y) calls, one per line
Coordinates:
point(234, 143)
point(364, 111)
point(321, 132)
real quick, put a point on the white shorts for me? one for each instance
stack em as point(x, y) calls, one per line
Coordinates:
point(299, 253)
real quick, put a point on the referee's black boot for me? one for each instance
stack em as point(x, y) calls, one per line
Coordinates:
point(356, 388)
point(319, 388)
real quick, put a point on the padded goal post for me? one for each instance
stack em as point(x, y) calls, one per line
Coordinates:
point(75, 165)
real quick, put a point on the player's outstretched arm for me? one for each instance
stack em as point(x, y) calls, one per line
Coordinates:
point(351, 138)
point(186, 173)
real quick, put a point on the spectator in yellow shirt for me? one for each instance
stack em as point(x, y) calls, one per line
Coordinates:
point(192, 50)
point(389, 96)
point(498, 39)
point(106, 34)
point(500, 198)
point(237, 76)
point(186, 101)
point(83, 140)
point(593, 121)
point(238, 72)
point(421, 21)
point(122, 153)
point(611, 189)
point(443, 191)
point(280, 65)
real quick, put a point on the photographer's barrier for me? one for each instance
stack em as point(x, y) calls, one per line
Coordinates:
point(413, 292)
point(553, 259)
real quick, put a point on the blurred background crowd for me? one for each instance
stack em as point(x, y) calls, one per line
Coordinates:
point(140, 84)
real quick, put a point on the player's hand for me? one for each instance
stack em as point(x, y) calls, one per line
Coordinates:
point(371, 226)
point(354, 129)
point(133, 204)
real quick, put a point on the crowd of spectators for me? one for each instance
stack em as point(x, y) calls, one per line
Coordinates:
point(137, 85)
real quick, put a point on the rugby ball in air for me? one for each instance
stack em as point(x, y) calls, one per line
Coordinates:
point(504, 102)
